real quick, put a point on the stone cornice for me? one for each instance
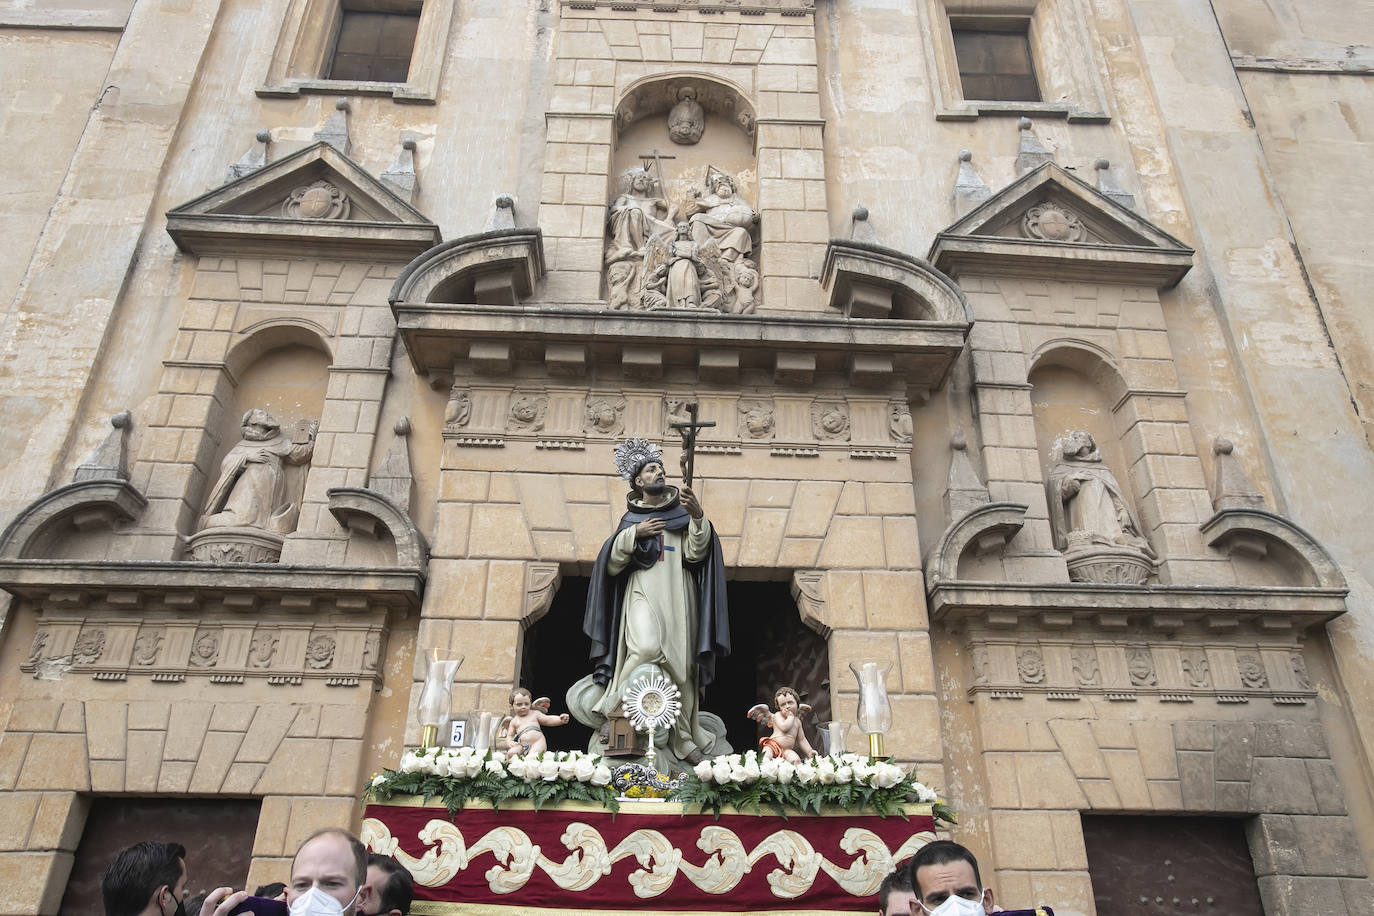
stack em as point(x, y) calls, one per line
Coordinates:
point(438, 335)
point(1164, 608)
point(185, 586)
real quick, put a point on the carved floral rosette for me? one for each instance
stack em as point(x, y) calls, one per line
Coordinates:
point(649, 856)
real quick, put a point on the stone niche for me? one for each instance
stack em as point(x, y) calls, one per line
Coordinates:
point(682, 225)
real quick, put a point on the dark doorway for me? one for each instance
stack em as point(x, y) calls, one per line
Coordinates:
point(770, 647)
point(1142, 865)
point(217, 833)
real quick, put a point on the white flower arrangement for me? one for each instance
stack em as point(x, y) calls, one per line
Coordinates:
point(456, 775)
point(851, 781)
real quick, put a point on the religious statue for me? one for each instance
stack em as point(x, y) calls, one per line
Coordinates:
point(656, 605)
point(252, 489)
point(721, 216)
point(699, 264)
point(1089, 513)
point(687, 119)
point(788, 734)
point(681, 278)
point(523, 730)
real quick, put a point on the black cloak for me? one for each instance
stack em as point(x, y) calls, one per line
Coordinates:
point(606, 593)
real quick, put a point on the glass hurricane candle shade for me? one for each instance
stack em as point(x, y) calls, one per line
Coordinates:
point(436, 698)
point(833, 735)
point(875, 712)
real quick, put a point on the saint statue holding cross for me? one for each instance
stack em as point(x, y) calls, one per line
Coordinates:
point(657, 600)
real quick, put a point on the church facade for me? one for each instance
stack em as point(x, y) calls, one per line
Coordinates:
point(1031, 333)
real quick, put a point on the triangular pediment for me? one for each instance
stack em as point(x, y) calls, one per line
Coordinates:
point(316, 202)
point(1051, 223)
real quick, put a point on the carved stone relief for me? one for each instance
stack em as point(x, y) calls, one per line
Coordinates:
point(1300, 671)
point(205, 650)
point(605, 416)
point(1053, 223)
point(90, 645)
point(319, 652)
point(1030, 665)
point(756, 419)
point(978, 662)
point(830, 420)
point(40, 642)
point(147, 646)
point(527, 413)
point(372, 651)
point(655, 261)
point(1195, 668)
point(1140, 665)
point(458, 410)
point(1252, 673)
point(899, 422)
point(686, 119)
point(317, 200)
point(262, 649)
point(1085, 669)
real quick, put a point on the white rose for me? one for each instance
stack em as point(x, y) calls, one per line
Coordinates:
point(806, 774)
point(472, 767)
point(378, 780)
point(567, 769)
point(751, 756)
point(926, 794)
point(601, 776)
point(751, 771)
point(703, 771)
point(721, 772)
point(494, 767)
point(843, 775)
point(887, 776)
point(410, 762)
point(548, 769)
point(769, 769)
point(785, 772)
point(738, 775)
point(825, 772)
point(516, 766)
point(861, 771)
point(583, 768)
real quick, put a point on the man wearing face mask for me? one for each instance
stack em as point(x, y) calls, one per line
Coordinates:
point(328, 875)
point(945, 877)
point(147, 879)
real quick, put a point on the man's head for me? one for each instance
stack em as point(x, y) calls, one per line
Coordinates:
point(651, 480)
point(333, 862)
point(147, 878)
point(392, 887)
point(895, 895)
point(942, 871)
point(258, 425)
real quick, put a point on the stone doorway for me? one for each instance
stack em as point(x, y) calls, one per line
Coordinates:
point(1157, 865)
point(215, 857)
point(770, 646)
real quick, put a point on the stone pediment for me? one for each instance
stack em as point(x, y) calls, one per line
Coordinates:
point(316, 203)
point(1049, 223)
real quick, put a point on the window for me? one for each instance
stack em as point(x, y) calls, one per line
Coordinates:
point(995, 63)
point(373, 46)
point(361, 47)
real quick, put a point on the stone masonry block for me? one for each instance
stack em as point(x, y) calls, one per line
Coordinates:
point(894, 600)
point(284, 774)
point(1003, 789)
point(1196, 780)
point(342, 721)
point(1273, 845)
point(1233, 750)
point(60, 819)
point(1045, 781)
point(1326, 787)
point(1287, 895)
point(1281, 785)
point(1359, 896)
point(34, 715)
point(311, 814)
point(175, 776)
point(1290, 739)
point(1155, 744)
point(1195, 736)
point(266, 732)
point(1079, 748)
point(307, 721)
point(273, 818)
point(1019, 839)
point(32, 883)
point(105, 729)
point(344, 777)
point(186, 729)
point(1328, 846)
point(849, 542)
point(1128, 778)
point(216, 755)
point(56, 762)
point(761, 537)
point(917, 665)
point(1113, 733)
point(17, 811)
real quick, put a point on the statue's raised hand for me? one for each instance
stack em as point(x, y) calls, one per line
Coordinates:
point(690, 502)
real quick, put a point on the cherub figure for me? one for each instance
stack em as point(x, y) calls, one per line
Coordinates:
point(524, 729)
point(788, 735)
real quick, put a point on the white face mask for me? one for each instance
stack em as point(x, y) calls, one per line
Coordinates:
point(316, 902)
point(952, 906)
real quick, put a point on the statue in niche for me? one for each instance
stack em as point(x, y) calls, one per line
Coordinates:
point(678, 277)
point(252, 488)
point(720, 216)
point(687, 119)
point(701, 264)
point(1092, 520)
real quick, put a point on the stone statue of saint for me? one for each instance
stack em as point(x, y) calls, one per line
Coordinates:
point(636, 216)
point(721, 216)
point(1087, 506)
point(687, 119)
point(681, 278)
point(252, 489)
point(656, 604)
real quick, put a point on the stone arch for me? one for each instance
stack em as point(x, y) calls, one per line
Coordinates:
point(500, 267)
point(1258, 534)
point(364, 511)
point(868, 281)
point(985, 528)
point(273, 334)
point(659, 92)
point(1088, 359)
point(82, 506)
